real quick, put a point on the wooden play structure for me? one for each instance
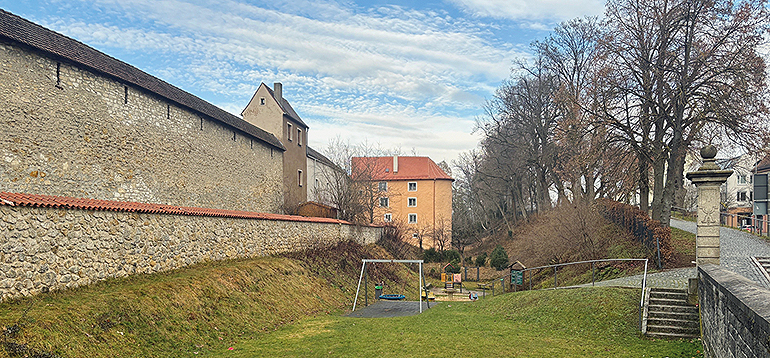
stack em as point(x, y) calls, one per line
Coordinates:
point(452, 281)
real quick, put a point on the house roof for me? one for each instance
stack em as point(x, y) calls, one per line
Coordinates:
point(409, 168)
point(29, 34)
point(63, 202)
point(763, 165)
point(312, 153)
point(286, 107)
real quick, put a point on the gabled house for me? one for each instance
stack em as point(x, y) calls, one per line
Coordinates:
point(271, 112)
point(412, 192)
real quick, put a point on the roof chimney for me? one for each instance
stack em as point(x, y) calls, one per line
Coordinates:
point(395, 164)
point(278, 90)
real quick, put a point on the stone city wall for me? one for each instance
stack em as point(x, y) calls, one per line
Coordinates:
point(735, 314)
point(52, 248)
point(71, 132)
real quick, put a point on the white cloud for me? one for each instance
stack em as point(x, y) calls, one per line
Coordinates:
point(555, 10)
point(404, 77)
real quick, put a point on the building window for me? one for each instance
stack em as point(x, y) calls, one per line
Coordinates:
point(742, 196)
point(383, 186)
point(288, 126)
point(262, 101)
point(415, 235)
point(316, 182)
point(299, 137)
point(742, 179)
point(299, 177)
point(412, 186)
point(413, 218)
point(411, 202)
point(384, 202)
point(388, 217)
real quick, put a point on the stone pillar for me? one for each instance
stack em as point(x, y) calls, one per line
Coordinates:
point(708, 179)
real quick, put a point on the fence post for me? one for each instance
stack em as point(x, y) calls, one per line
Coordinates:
point(593, 274)
point(555, 284)
point(530, 280)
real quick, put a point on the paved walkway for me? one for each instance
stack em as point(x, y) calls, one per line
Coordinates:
point(385, 308)
point(737, 247)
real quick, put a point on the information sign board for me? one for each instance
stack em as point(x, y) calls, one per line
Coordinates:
point(517, 277)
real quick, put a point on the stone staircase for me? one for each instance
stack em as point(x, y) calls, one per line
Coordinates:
point(668, 315)
point(763, 264)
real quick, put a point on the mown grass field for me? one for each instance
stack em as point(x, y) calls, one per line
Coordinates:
point(589, 322)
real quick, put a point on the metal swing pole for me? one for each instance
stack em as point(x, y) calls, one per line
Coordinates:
point(420, 289)
point(363, 265)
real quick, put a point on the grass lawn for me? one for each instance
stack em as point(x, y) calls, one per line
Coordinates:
point(590, 322)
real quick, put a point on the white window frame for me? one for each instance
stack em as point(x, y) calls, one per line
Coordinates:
point(409, 202)
point(386, 200)
point(412, 215)
point(387, 217)
point(415, 235)
point(299, 137)
point(382, 186)
point(299, 177)
point(409, 185)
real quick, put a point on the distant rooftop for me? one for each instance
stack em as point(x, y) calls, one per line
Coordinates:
point(409, 168)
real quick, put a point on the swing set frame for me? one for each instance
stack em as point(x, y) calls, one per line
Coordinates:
point(363, 268)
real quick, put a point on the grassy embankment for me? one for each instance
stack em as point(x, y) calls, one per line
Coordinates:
point(569, 234)
point(589, 322)
point(197, 311)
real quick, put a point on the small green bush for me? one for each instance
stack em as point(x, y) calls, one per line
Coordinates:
point(499, 258)
point(431, 255)
point(451, 256)
point(468, 261)
point(481, 260)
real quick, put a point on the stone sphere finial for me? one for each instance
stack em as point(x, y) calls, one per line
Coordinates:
point(708, 152)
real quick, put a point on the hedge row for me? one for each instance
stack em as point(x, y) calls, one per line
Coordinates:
point(645, 230)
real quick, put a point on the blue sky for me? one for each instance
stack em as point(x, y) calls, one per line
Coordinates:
point(400, 74)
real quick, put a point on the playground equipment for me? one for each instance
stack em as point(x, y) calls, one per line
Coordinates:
point(452, 281)
point(363, 270)
point(392, 297)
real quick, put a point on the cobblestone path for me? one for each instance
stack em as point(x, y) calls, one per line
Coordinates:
point(737, 247)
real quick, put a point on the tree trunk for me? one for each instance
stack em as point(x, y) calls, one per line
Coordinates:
point(644, 184)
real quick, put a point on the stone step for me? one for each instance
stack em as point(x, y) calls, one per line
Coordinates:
point(673, 329)
point(689, 316)
point(668, 295)
point(672, 308)
point(671, 335)
point(668, 301)
point(671, 322)
point(665, 289)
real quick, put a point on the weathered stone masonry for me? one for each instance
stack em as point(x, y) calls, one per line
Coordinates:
point(77, 123)
point(51, 248)
point(68, 131)
point(735, 314)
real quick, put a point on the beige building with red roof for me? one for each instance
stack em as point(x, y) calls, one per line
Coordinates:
point(415, 193)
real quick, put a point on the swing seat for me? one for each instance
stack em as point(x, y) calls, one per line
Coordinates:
point(392, 297)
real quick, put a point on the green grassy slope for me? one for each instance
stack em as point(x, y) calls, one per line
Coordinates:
point(590, 322)
point(205, 308)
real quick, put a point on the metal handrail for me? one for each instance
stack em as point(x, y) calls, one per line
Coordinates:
point(593, 277)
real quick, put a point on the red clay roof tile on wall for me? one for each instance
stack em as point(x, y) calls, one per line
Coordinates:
point(63, 202)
